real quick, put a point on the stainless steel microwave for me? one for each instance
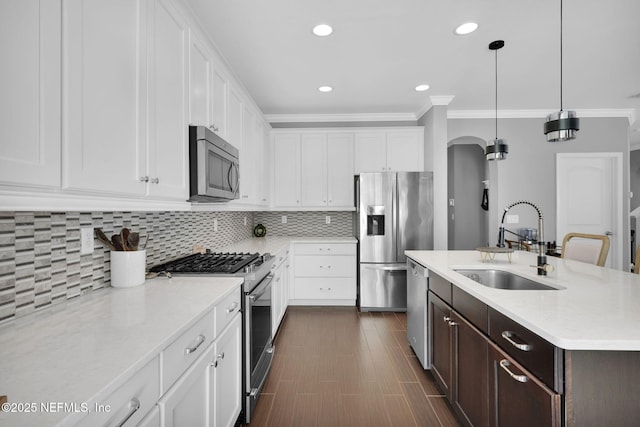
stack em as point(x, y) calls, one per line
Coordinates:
point(214, 168)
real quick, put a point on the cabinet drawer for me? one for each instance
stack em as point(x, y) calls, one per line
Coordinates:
point(325, 249)
point(325, 266)
point(317, 288)
point(226, 309)
point(131, 401)
point(180, 354)
point(539, 356)
point(440, 287)
point(281, 256)
point(470, 308)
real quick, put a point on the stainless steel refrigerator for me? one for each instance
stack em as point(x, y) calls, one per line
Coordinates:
point(394, 213)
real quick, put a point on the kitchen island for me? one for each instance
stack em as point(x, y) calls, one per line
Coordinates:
point(578, 344)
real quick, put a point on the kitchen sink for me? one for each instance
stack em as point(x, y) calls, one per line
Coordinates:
point(500, 279)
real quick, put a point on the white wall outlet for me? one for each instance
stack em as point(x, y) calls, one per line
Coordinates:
point(327, 219)
point(512, 219)
point(245, 220)
point(284, 219)
point(86, 240)
point(215, 224)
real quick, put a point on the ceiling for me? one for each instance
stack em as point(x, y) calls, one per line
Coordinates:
point(380, 50)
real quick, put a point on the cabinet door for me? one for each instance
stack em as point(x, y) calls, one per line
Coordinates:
point(234, 129)
point(226, 387)
point(262, 163)
point(219, 99)
point(30, 37)
point(441, 343)
point(470, 388)
point(518, 398)
point(104, 69)
point(313, 169)
point(340, 170)
point(405, 151)
point(168, 83)
point(276, 299)
point(187, 402)
point(200, 90)
point(370, 152)
point(286, 171)
point(247, 157)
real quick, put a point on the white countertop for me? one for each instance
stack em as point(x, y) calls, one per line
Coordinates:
point(82, 350)
point(273, 244)
point(596, 309)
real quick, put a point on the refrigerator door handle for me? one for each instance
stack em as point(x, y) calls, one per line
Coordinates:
point(387, 268)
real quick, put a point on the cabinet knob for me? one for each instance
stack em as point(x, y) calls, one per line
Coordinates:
point(144, 178)
point(155, 181)
point(213, 128)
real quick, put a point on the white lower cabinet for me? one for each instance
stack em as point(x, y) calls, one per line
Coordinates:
point(225, 376)
point(209, 392)
point(129, 403)
point(324, 274)
point(152, 419)
point(280, 289)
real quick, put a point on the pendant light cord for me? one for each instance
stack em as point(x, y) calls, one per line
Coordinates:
point(561, 55)
point(496, 93)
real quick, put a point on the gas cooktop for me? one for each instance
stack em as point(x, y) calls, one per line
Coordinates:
point(210, 262)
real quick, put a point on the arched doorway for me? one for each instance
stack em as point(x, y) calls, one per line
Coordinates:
point(468, 221)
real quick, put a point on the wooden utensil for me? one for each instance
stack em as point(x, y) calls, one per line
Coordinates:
point(103, 238)
point(124, 238)
point(133, 240)
point(117, 242)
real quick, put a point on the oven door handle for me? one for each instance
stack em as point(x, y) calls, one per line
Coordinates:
point(253, 296)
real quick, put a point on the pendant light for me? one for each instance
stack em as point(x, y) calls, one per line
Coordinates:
point(562, 125)
point(496, 149)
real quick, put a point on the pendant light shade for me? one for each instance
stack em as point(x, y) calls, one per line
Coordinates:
point(562, 125)
point(497, 149)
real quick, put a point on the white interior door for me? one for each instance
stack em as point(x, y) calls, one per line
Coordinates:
point(589, 198)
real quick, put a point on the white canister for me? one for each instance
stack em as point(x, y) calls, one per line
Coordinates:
point(127, 268)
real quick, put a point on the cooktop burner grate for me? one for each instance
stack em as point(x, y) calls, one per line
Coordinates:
point(213, 262)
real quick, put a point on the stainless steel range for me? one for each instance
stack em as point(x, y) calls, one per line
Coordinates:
point(256, 318)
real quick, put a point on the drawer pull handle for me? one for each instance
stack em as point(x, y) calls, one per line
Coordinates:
point(190, 350)
point(134, 405)
point(232, 307)
point(218, 358)
point(504, 364)
point(508, 335)
point(446, 319)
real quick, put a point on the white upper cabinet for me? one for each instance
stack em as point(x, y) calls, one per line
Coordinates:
point(219, 99)
point(200, 84)
point(167, 149)
point(104, 108)
point(313, 169)
point(234, 117)
point(371, 152)
point(340, 170)
point(248, 175)
point(405, 150)
point(286, 170)
point(30, 39)
point(399, 150)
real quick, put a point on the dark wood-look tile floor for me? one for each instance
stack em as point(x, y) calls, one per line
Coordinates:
point(335, 366)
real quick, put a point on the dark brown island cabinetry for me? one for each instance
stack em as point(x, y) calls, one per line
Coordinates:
point(473, 371)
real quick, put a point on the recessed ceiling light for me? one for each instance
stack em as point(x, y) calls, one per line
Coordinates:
point(422, 88)
point(325, 88)
point(322, 30)
point(466, 28)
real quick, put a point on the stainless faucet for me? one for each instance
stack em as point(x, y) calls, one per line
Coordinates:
point(542, 266)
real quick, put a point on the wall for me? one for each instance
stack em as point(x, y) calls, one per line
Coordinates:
point(529, 171)
point(634, 178)
point(307, 223)
point(40, 261)
point(467, 220)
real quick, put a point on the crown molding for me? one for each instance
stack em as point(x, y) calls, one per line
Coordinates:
point(328, 118)
point(628, 113)
point(441, 99)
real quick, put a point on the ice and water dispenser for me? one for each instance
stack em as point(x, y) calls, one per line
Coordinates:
point(375, 220)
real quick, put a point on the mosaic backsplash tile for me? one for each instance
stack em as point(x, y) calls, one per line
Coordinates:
point(40, 261)
point(306, 223)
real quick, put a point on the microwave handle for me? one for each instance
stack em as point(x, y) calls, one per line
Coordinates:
point(237, 183)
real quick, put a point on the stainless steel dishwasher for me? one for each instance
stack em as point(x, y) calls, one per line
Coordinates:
point(417, 287)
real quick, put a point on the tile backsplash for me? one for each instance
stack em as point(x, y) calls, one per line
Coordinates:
point(40, 261)
point(306, 223)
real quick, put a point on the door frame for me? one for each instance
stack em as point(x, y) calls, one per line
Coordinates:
point(617, 215)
